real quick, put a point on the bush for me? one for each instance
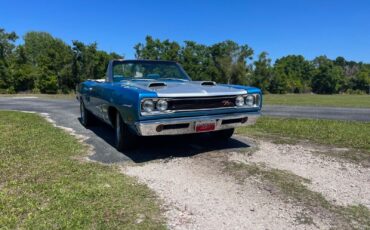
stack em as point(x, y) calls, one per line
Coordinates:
point(11, 90)
point(47, 84)
point(355, 91)
point(64, 90)
point(36, 91)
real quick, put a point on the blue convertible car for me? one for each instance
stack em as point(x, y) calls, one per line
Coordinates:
point(147, 98)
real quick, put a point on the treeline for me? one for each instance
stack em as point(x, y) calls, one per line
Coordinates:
point(44, 64)
point(48, 65)
point(229, 62)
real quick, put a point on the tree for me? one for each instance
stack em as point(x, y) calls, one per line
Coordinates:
point(361, 81)
point(89, 62)
point(22, 71)
point(6, 50)
point(46, 64)
point(262, 72)
point(50, 60)
point(328, 78)
point(292, 74)
point(231, 61)
point(196, 60)
point(154, 49)
point(224, 62)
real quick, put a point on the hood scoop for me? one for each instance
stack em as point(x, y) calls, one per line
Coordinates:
point(208, 83)
point(157, 84)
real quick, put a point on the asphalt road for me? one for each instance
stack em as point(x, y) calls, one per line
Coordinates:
point(336, 113)
point(66, 113)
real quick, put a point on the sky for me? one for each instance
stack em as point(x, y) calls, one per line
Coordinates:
point(279, 27)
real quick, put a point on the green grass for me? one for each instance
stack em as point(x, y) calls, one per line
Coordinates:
point(70, 96)
point(294, 188)
point(43, 186)
point(347, 134)
point(357, 101)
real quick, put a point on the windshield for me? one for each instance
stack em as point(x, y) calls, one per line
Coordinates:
point(147, 70)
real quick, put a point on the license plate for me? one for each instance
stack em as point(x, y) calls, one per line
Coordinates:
point(205, 126)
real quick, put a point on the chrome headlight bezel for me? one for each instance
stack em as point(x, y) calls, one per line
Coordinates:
point(252, 100)
point(162, 105)
point(239, 101)
point(249, 100)
point(147, 105)
point(158, 106)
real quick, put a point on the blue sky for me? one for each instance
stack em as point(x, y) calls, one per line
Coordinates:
point(307, 27)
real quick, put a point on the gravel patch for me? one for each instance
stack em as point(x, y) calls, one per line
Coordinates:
point(339, 181)
point(196, 194)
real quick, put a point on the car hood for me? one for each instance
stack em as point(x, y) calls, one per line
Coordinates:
point(185, 88)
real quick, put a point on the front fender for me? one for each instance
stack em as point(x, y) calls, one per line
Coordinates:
point(127, 102)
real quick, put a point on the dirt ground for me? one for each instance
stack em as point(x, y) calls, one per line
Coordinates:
point(198, 192)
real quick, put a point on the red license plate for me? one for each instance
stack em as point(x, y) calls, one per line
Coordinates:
point(205, 126)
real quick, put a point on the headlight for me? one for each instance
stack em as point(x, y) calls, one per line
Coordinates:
point(148, 106)
point(249, 100)
point(239, 101)
point(162, 105)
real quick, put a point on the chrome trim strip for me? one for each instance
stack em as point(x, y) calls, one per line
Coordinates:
point(149, 128)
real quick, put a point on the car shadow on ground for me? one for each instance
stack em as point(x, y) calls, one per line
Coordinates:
point(163, 147)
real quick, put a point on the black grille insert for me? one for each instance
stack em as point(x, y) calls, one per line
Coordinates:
point(176, 126)
point(232, 121)
point(201, 103)
point(160, 128)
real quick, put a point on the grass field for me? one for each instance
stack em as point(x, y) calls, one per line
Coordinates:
point(70, 96)
point(347, 134)
point(44, 186)
point(357, 101)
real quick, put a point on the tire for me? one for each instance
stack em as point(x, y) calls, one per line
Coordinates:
point(87, 119)
point(222, 134)
point(124, 138)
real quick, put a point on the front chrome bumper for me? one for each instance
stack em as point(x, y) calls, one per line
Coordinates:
point(186, 125)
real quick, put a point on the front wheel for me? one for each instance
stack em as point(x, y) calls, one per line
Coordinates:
point(223, 134)
point(125, 138)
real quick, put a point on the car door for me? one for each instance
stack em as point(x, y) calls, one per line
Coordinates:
point(88, 91)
